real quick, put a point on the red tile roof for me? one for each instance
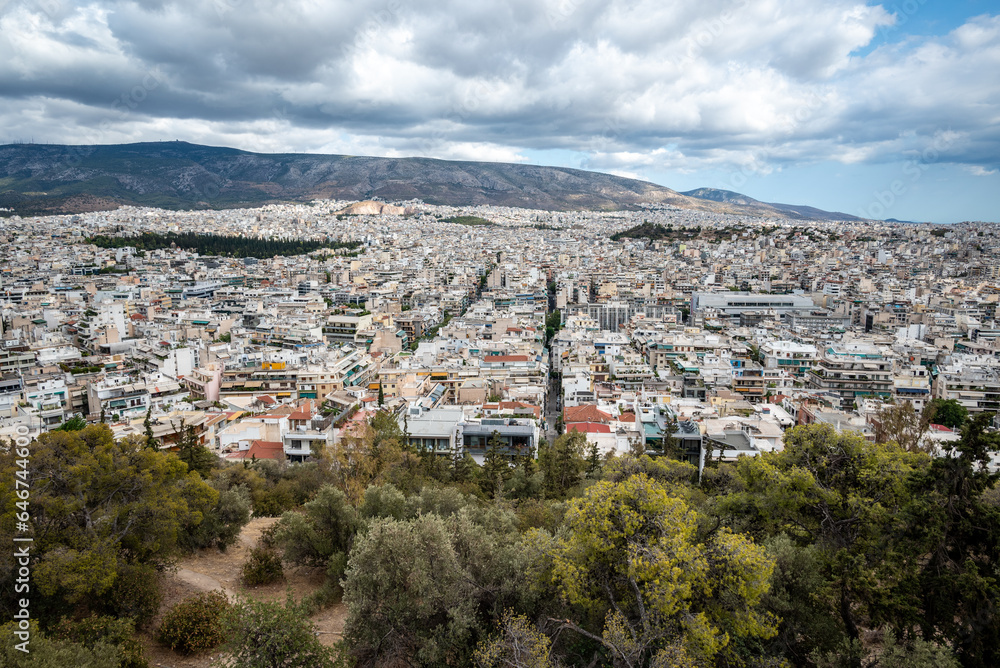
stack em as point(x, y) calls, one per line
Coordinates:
point(586, 413)
point(261, 450)
point(588, 428)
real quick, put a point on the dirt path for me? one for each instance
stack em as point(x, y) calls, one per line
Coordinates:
point(210, 570)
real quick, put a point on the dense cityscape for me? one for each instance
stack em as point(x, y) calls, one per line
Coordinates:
point(739, 326)
point(561, 334)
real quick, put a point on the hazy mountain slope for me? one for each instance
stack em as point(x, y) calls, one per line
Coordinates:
point(767, 208)
point(39, 178)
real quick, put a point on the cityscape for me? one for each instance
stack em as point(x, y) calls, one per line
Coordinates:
point(557, 334)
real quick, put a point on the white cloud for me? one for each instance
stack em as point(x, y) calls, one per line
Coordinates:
point(634, 84)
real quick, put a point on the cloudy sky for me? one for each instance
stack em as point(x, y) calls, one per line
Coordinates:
point(883, 110)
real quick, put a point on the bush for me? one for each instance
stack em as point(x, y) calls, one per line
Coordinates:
point(273, 502)
point(93, 630)
point(195, 624)
point(267, 634)
point(49, 653)
point(136, 594)
point(262, 567)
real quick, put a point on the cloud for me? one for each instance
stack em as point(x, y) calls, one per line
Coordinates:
point(629, 85)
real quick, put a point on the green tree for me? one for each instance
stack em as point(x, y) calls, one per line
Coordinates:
point(98, 505)
point(645, 586)
point(194, 454)
point(45, 652)
point(75, 423)
point(147, 425)
point(267, 634)
point(846, 497)
point(517, 644)
point(381, 395)
point(949, 413)
point(496, 465)
point(955, 532)
point(320, 536)
point(563, 463)
point(424, 591)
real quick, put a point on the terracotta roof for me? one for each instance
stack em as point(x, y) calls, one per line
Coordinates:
point(262, 450)
point(586, 413)
point(588, 428)
point(626, 417)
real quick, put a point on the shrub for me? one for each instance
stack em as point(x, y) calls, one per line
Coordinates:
point(262, 567)
point(93, 630)
point(136, 594)
point(267, 634)
point(195, 624)
point(48, 653)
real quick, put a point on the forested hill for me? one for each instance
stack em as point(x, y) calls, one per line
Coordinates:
point(41, 178)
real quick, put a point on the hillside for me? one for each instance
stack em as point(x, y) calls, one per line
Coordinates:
point(795, 211)
point(40, 179)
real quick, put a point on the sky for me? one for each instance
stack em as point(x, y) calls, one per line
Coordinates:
point(885, 110)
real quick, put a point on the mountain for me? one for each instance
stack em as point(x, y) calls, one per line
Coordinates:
point(42, 178)
point(767, 208)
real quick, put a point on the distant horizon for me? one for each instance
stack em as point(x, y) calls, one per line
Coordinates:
point(33, 142)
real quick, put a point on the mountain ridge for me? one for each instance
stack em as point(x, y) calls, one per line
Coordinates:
point(47, 178)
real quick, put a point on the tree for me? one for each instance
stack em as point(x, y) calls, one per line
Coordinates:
point(75, 423)
point(266, 634)
point(148, 427)
point(98, 505)
point(518, 644)
point(381, 395)
point(46, 652)
point(901, 424)
point(193, 453)
point(424, 591)
point(563, 463)
point(669, 445)
point(949, 413)
point(956, 532)
point(496, 465)
point(645, 586)
point(846, 497)
point(320, 536)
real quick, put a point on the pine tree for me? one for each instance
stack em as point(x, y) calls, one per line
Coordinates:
point(148, 426)
point(496, 466)
point(593, 461)
point(381, 395)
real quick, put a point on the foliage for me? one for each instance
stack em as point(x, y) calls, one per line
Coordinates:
point(949, 413)
point(50, 653)
point(632, 555)
point(901, 424)
point(841, 494)
point(94, 630)
point(75, 423)
point(217, 244)
point(953, 589)
point(194, 454)
point(474, 221)
point(425, 590)
point(221, 525)
point(267, 634)
point(518, 643)
point(320, 536)
point(97, 506)
point(136, 594)
point(563, 463)
point(262, 567)
point(195, 624)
